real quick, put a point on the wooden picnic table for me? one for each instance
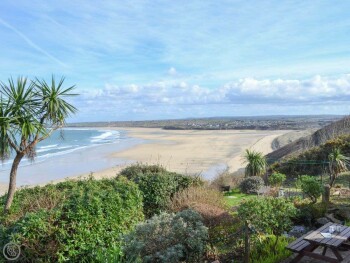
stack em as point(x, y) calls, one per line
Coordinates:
point(306, 244)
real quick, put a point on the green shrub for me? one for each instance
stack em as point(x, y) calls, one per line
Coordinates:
point(158, 185)
point(261, 252)
point(114, 254)
point(251, 184)
point(277, 179)
point(135, 170)
point(93, 214)
point(310, 186)
point(169, 238)
point(156, 190)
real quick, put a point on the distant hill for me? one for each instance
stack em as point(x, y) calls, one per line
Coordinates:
point(226, 123)
point(321, 136)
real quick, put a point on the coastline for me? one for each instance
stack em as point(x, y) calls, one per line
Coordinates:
point(204, 152)
point(192, 151)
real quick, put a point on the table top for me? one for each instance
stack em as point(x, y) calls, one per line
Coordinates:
point(335, 240)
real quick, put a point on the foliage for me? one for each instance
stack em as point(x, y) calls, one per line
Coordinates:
point(158, 185)
point(114, 254)
point(251, 184)
point(310, 186)
point(29, 112)
point(225, 240)
point(133, 171)
point(261, 252)
point(90, 215)
point(308, 213)
point(256, 163)
point(277, 179)
point(268, 215)
point(338, 163)
point(169, 238)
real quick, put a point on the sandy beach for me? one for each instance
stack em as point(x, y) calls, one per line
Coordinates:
point(193, 151)
point(188, 151)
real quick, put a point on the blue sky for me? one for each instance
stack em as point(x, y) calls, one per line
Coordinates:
point(133, 60)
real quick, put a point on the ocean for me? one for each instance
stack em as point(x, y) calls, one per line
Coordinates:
point(70, 152)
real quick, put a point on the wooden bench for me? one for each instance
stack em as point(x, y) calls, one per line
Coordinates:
point(305, 245)
point(299, 244)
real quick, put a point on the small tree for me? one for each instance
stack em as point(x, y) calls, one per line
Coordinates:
point(310, 187)
point(256, 163)
point(277, 179)
point(268, 215)
point(338, 163)
point(29, 113)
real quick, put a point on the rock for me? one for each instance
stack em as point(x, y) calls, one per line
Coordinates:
point(216, 261)
point(297, 231)
point(333, 219)
point(343, 214)
point(336, 193)
point(323, 220)
point(333, 210)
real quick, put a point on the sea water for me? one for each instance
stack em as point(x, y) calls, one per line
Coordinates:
point(67, 141)
point(70, 152)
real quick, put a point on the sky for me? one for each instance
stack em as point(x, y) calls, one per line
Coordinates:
point(141, 60)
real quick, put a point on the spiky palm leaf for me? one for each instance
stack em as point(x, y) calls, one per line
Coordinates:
point(338, 163)
point(256, 163)
point(54, 107)
point(5, 124)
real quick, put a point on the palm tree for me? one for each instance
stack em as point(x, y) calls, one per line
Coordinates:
point(256, 163)
point(338, 163)
point(29, 112)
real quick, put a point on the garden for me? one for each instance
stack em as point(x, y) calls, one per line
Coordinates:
point(149, 214)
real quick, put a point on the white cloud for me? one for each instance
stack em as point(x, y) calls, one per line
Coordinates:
point(323, 91)
point(316, 89)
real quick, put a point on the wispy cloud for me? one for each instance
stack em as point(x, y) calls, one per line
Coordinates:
point(31, 43)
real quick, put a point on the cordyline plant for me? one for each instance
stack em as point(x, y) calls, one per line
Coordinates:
point(338, 163)
point(30, 111)
point(256, 163)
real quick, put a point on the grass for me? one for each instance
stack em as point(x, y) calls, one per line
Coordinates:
point(235, 197)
